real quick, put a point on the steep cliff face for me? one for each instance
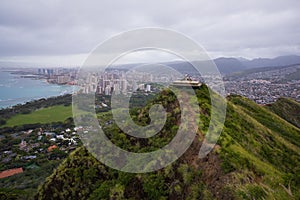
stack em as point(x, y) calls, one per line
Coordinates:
point(257, 157)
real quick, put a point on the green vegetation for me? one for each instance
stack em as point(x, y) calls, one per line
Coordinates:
point(257, 156)
point(29, 107)
point(28, 181)
point(34, 158)
point(81, 176)
point(42, 116)
point(263, 147)
point(287, 109)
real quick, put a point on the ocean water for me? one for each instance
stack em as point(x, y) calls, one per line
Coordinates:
point(15, 90)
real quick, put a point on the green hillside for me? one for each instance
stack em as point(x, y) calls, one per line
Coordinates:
point(257, 157)
point(288, 109)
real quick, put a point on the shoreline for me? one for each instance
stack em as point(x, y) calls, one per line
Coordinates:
point(33, 101)
point(11, 102)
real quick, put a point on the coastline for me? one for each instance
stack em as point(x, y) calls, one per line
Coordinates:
point(14, 92)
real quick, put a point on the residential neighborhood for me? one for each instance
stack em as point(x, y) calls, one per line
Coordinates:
point(267, 86)
point(34, 144)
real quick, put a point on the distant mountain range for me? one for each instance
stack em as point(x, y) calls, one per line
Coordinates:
point(229, 65)
point(226, 65)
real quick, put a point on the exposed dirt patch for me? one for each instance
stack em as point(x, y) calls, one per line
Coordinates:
point(212, 174)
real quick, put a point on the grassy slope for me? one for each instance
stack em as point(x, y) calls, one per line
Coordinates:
point(263, 147)
point(288, 109)
point(260, 153)
point(45, 115)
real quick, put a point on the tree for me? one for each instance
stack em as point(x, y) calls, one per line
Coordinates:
point(2, 122)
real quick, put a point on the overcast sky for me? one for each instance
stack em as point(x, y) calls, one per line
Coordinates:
point(66, 31)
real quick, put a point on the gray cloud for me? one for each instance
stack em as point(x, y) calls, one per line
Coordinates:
point(229, 28)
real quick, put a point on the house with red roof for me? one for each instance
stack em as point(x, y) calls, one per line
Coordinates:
point(52, 147)
point(11, 172)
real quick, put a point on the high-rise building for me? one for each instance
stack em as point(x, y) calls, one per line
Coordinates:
point(148, 88)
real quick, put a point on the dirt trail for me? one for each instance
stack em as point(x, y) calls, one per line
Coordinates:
point(212, 173)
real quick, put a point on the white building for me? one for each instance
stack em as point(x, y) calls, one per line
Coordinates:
point(148, 88)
